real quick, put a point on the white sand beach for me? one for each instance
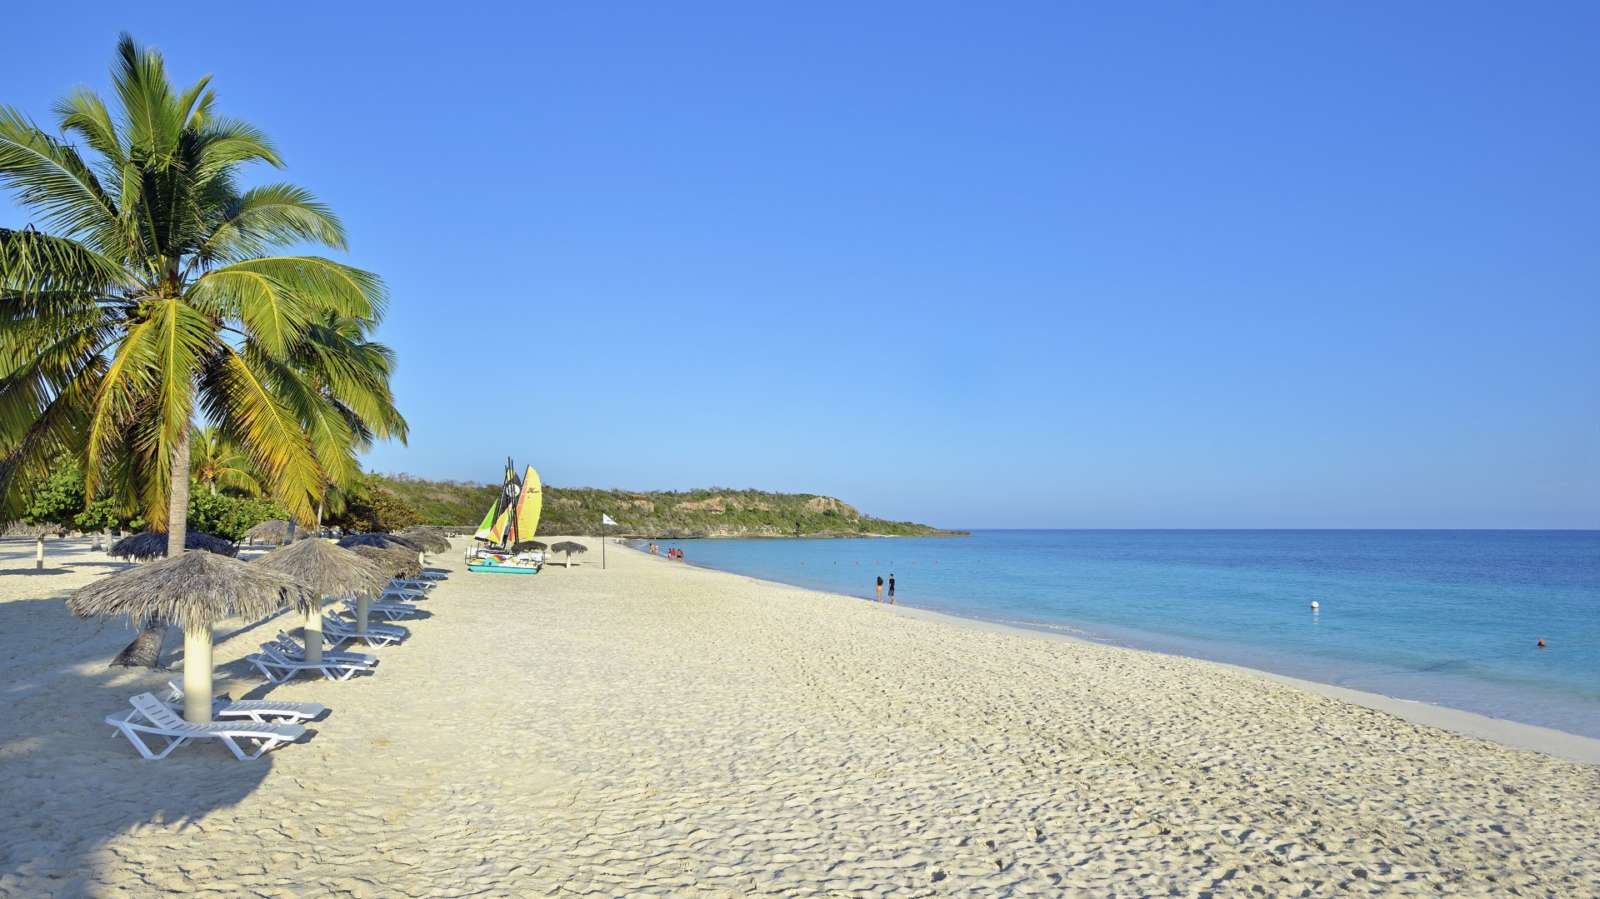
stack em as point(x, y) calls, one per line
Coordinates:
point(660, 730)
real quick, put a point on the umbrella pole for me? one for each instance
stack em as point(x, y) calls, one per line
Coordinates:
point(363, 606)
point(197, 674)
point(314, 634)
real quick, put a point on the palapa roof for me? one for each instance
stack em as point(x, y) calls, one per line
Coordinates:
point(194, 589)
point(396, 560)
point(430, 541)
point(567, 546)
point(273, 530)
point(382, 540)
point(153, 545)
point(20, 529)
point(326, 569)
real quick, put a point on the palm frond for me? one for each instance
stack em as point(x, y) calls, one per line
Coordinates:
point(32, 262)
point(83, 113)
point(270, 216)
point(225, 144)
point(244, 404)
point(152, 121)
point(50, 177)
point(276, 297)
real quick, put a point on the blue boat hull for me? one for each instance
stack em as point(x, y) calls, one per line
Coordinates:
point(492, 568)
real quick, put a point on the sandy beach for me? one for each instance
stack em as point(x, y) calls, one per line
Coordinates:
point(658, 729)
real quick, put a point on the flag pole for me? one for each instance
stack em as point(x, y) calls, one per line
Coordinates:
point(602, 543)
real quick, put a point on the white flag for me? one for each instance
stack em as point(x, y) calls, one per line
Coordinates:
point(606, 519)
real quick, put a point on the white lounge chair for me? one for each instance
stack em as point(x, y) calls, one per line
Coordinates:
point(390, 611)
point(266, 711)
point(152, 717)
point(338, 631)
point(400, 583)
point(278, 668)
point(293, 649)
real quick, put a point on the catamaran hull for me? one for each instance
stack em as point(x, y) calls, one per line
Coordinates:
point(491, 568)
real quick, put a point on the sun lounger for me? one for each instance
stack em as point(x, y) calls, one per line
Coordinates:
point(278, 668)
point(266, 711)
point(401, 583)
point(153, 718)
point(390, 611)
point(338, 631)
point(291, 648)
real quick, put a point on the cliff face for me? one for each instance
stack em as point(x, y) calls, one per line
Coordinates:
point(713, 512)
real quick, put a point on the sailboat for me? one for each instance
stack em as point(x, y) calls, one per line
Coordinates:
point(509, 526)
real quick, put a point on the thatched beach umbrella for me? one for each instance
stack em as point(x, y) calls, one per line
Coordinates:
point(194, 591)
point(430, 541)
point(381, 540)
point(153, 545)
point(329, 571)
point(273, 531)
point(569, 547)
point(387, 541)
point(394, 560)
point(38, 532)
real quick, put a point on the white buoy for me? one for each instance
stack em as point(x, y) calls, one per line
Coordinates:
point(1314, 605)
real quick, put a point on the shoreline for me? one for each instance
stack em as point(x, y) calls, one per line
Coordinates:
point(1504, 731)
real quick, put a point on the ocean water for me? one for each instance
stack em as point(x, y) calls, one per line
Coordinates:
point(1445, 617)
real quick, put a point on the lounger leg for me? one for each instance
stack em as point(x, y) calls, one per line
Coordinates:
point(132, 732)
point(137, 743)
point(261, 744)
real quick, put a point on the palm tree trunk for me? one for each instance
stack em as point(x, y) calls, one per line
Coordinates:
point(146, 648)
point(178, 499)
point(144, 651)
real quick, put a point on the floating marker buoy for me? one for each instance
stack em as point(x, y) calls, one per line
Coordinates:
point(1541, 644)
point(1314, 605)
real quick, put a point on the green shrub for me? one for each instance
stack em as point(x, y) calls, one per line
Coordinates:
point(229, 517)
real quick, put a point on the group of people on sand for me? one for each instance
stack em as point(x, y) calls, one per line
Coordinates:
point(655, 550)
point(891, 588)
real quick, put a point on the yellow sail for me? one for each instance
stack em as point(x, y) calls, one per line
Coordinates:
point(529, 504)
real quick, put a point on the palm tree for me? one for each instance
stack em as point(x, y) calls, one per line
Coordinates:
point(158, 289)
point(217, 463)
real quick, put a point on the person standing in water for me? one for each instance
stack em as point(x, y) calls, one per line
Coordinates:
point(880, 589)
point(891, 588)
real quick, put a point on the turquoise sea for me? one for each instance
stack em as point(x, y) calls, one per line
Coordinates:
point(1446, 617)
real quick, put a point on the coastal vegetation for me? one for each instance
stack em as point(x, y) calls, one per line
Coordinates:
point(709, 512)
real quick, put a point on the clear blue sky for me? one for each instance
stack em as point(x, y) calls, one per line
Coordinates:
point(1236, 265)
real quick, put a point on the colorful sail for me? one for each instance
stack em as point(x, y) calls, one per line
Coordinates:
point(529, 504)
point(488, 521)
point(498, 519)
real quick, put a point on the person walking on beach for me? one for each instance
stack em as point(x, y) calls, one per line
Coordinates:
point(880, 589)
point(891, 588)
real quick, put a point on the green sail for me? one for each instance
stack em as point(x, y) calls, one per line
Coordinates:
point(498, 518)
